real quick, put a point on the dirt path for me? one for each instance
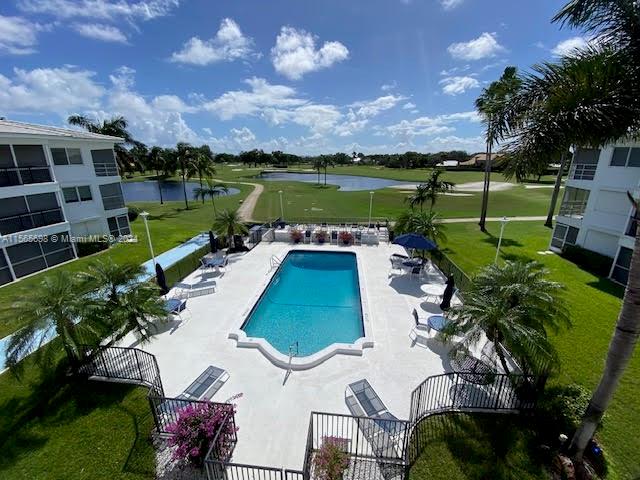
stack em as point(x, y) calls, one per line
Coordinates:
point(249, 204)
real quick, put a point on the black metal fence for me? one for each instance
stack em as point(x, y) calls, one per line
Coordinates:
point(166, 410)
point(448, 267)
point(237, 471)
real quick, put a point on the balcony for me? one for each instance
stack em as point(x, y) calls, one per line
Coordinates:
point(27, 221)
point(582, 171)
point(24, 175)
point(573, 208)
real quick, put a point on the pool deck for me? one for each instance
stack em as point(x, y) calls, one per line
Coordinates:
point(273, 418)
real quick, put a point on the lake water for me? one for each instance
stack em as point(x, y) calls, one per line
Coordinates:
point(171, 191)
point(346, 183)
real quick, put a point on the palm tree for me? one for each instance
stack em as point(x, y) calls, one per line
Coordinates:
point(419, 196)
point(202, 164)
point(115, 127)
point(326, 162)
point(185, 156)
point(491, 106)
point(155, 160)
point(58, 304)
point(511, 305)
point(317, 164)
point(109, 279)
point(424, 223)
point(435, 186)
point(212, 190)
point(229, 223)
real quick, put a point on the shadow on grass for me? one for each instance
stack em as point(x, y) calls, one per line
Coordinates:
point(607, 286)
point(506, 241)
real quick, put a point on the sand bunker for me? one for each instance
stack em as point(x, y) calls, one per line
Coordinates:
point(463, 187)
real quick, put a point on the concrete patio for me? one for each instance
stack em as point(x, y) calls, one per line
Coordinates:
point(273, 417)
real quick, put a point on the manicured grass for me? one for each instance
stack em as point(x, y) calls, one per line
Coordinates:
point(53, 427)
point(477, 447)
point(169, 225)
point(594, 304)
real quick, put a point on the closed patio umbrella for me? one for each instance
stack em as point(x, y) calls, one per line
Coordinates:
point(213, 242)
point(448, 293)
point(161, 279)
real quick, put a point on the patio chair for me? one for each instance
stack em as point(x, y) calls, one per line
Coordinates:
point(206, 385)
point(307, 236)
point(334, 237)
point(357, 238)
point(420, 323)
point(416, 272)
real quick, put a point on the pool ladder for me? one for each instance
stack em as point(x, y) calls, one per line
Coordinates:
point(293, 352)
point(274, 262)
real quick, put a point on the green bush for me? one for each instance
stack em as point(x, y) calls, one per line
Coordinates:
point(89, 248)
point(587, 260)
point(133, 213)
point(184, 267)
point(561, 408)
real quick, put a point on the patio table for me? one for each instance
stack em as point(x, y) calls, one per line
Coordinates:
point(433, 289)
point(438, 322)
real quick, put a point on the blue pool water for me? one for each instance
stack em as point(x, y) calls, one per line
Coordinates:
point(313, 299)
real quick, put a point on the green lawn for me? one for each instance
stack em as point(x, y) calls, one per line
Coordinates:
point(54, 428)
point(477, 447)
point(594, 304)
point(169, 224)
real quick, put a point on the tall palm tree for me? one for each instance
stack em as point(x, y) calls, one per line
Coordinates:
point(58, 304)
point(211, 190)
point(491, 106)
point(327, 161)
point(436, 186)
point(185, 155)
point(155, 160)
point(115, 127)
point(109, 278)
point(512, 305)
point(424, 223)
point(202, 165)
point(229, 223)
point(317, 164)
point(419, 196)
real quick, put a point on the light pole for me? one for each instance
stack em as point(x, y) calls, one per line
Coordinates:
point(370, 208)
point(281, 207)
point(503, 222)
point(144, 216)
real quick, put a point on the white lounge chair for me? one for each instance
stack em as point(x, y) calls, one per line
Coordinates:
point(206, 385)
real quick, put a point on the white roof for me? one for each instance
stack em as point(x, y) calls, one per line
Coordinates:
point(12, 128)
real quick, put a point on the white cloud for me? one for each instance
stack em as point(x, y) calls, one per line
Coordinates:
point(102, 9)
point(569, 46)
point(295, 53)
point(243, 137)
point(104, 33)
point(458, 85)
point(18, 36)
point(437, 125)
point(172, 103)
point(409, 106)
point(453, 142)
point(485, 46)
point(389, 86)
point(228, 44)
point(55, 90)
point(372, 108)
point(450, 4)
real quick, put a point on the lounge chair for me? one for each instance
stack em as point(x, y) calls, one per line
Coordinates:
point(206, 385)
point(186, 290)
point(175, 306)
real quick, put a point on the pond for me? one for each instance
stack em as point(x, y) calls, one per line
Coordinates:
point(171, 191)
point(346, 183)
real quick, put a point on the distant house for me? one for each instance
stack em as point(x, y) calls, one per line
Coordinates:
point(448, 163)
point(479, 160)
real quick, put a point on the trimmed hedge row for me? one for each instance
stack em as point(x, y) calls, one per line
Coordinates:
point(184, 267)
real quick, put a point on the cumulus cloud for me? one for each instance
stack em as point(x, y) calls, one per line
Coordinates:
point(426, 125)
point(454, 142)
point(371, 108)
point(227, 45)
point(409, 106)
point(104, 33)
point(485, 46)
point(458, 85)
point(389, 86)
point(569, 46)
point(295, 53)
point(450, 4)
point(18, 36)
point(102, 9)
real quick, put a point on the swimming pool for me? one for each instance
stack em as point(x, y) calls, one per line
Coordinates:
point(312, 299)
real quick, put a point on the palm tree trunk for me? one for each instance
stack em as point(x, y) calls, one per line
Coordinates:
point(318, 175)
point(200, 180)
point(325, 176)
point(184, 189)
point(624, 340)
point(485, 191)
point(556, 190)
point(213, 202)
point(159, 186)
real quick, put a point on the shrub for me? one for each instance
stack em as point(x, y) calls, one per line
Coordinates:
point(587, 260)
point(331, 460)
point(561, 408)
point(346, 238)
point(89, 248)
point(296, 235)
point(321, 236)
point(195, 429)
point(133, 213)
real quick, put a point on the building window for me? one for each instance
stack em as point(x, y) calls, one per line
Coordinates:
point(104, 163)
point(77, 194)
point(119, 226)
point(112, 196)
point(574, 202)
point(620, 271)
point(632, 226)
point(5, 273)
point(585, 164)
point(23, 213)
point(625, 157)
point(31, 257)
point(66, 156)
point(564, 235)
point(30, 165)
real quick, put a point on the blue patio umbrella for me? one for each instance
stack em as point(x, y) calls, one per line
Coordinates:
point(415, 242)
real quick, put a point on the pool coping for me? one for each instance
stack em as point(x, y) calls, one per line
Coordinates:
point(304, 363)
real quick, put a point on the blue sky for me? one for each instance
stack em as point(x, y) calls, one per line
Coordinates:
point(294, 75)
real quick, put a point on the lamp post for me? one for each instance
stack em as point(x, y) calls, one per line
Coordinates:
point(503, 222)
point(370, 208)
point(144, 216)
point(281, 207)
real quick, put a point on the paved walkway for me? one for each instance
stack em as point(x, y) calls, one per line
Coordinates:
point(494, 219)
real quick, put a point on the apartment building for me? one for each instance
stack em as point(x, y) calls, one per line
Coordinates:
point(595, 212)
point(55, 184)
